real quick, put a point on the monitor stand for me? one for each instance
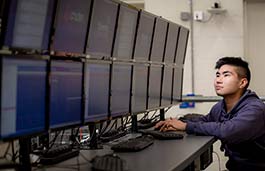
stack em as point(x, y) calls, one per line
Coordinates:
point(162, 114)
point(94, 137)
point(24, 154)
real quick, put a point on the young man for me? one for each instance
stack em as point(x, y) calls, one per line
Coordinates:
point(238, 120)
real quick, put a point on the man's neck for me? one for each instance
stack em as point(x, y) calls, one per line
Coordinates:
point(231, 100)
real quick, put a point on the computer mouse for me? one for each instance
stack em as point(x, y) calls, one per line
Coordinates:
point(108, 162)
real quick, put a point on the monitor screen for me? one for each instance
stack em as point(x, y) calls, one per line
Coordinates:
point(139, 88)
point(125, 35)
point(71, 25)
point(159, 40)
point(144, 36)
point(23, 102)
point(65, 93)
point(97, 77)
point(177, 84)
point(102, 26)
point(182, 46)
point(171, 45)
point(167, 86)
point(154, 89)
point(29, 24)
point(120, 89)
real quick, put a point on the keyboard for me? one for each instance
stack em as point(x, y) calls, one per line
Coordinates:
point(134, 144)
point(58, 154)
point(145, 125)
point(170, 135)
point(112, 135)
point(190, 116)
point(109, 162)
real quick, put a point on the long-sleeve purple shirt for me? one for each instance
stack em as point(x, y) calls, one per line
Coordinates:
point(241, 131)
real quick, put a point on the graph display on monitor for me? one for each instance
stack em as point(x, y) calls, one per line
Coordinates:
point(177, 84)
point(29, 24)
point(120, 89)
point(171, 44)
point(125, 35)
point(167, 86)
point(23, 103)
point(182, 46)
point(102, 28)
point(65, 93)
point(71, 25)
point(97, 77)
point(154, 89)
point(144, 36)
point(139, 88)
point(159, 40)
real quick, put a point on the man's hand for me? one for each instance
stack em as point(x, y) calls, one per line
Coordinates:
point(171, 125)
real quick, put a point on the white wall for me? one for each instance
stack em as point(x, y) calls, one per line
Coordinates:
point(254, 43)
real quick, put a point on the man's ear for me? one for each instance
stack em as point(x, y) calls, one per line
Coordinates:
point(243, 83)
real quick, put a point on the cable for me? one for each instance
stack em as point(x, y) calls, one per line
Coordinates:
point(218, 158)
point(7, 149)
point(62, 136)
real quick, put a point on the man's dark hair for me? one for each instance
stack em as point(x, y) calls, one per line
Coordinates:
point(243, 70)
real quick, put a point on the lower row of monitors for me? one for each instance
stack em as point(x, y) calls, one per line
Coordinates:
point(28, 93)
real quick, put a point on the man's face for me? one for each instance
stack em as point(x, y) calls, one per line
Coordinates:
point(227, 81)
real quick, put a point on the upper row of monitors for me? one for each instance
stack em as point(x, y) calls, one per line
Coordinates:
point(98, 28)
point(64, 93)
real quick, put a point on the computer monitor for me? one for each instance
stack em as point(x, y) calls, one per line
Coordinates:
point(182, 46)
point(97, 78)
point(65, 93)
point(125, 34)
point(154, 88)
point(171, 45)
point(144, 36)
point(3, 11)
point(23, 92)
point(3, 5)
point(159, 40)
point(177, 84)
point(139, 88)
point(71, 26)
point(29, 24)
point(167, 86)
point(102, 28)
point(120, 89)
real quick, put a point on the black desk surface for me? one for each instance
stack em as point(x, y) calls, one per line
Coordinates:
point(163, 155)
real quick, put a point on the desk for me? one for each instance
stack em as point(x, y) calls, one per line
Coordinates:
point(164, 155)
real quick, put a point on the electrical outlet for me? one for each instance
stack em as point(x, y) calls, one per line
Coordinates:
point(198, 15)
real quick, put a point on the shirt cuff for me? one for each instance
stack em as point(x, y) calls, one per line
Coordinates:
point(190, 128)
